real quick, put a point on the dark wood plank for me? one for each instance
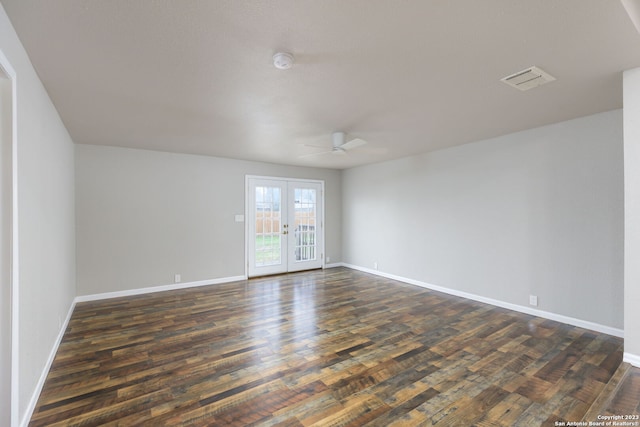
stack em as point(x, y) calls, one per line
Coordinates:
point(333, 348)
point(627, 399)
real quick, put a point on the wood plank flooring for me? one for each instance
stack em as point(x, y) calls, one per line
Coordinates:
point(620, 398)
point(330, 347)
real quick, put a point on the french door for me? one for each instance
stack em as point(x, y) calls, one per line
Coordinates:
point(284, 230)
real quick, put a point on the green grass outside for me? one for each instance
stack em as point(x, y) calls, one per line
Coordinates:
point(267, 249)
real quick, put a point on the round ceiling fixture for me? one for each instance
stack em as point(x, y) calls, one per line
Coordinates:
point(282, 60)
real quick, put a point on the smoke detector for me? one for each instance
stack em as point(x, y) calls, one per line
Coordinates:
point(528, 79)
point(282, 60)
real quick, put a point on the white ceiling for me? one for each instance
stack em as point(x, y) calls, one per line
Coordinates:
point(408, 76)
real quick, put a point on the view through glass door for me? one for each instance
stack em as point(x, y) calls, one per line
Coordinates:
point(284, 226)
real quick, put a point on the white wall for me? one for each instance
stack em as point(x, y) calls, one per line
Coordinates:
point(143, 216)
point(46, 217)
point(537, 212)
point(632, 215)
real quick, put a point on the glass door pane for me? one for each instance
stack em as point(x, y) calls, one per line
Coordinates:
point(268, 249)
point(305, 224)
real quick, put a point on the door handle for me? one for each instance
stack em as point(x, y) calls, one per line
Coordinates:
point(285, 232)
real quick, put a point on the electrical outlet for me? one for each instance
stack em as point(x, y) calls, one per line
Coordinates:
point(375, 265)
point(328, 260)
point(177, 278)
point(533, 300)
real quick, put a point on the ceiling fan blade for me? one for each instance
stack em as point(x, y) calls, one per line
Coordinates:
point(339, 148)
point(315, 154)
point(353, 144)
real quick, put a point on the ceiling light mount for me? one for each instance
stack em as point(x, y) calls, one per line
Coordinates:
point(283, 60)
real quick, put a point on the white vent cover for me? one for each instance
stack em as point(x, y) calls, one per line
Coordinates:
point(528, 79)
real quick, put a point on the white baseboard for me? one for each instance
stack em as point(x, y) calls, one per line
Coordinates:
point(334, 265)
point(52, 355)
point(632, 359)
point(522, 309)
point(140, 291)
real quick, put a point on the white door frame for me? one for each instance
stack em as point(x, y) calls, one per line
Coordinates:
point(246, 214)
point(14, 417)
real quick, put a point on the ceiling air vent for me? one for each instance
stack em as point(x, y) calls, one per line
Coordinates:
point(528, 79)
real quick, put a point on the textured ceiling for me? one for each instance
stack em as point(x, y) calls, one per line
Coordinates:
point(407, 76)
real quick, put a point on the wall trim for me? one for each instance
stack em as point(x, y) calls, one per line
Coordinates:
point(161, 288)
point(632, 359)
point(334, 265)
point(14, 285)
point(522, 309)
point(52, 355)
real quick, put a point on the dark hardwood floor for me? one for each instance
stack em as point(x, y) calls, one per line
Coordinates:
point(330, 347)
point(620, 398)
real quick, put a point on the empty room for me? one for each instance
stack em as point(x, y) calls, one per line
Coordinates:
point(320, 213)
